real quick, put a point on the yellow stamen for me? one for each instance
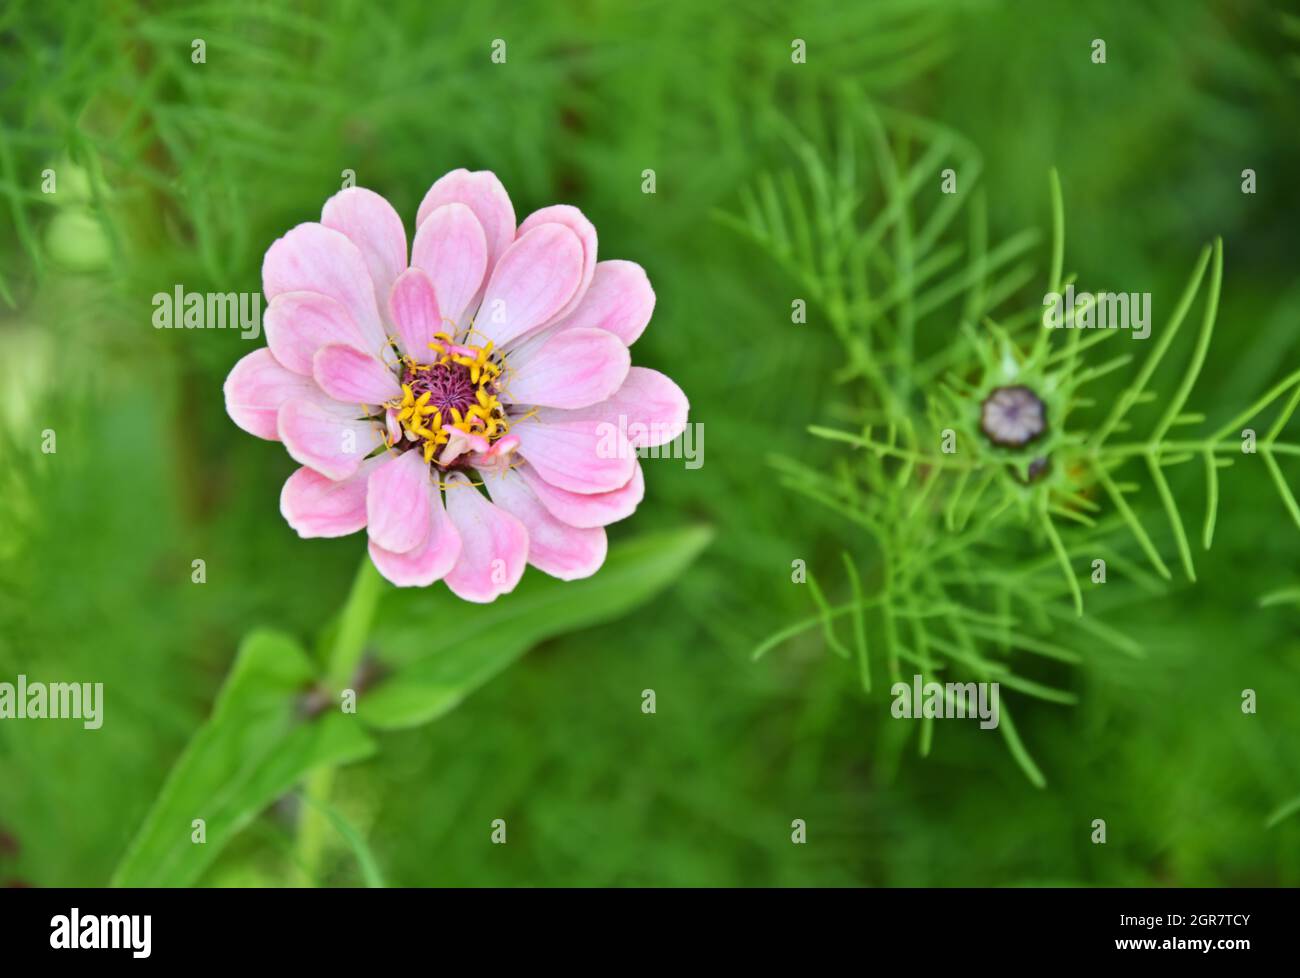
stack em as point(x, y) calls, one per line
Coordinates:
point(423, 422)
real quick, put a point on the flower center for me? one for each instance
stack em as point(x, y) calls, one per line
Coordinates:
point(1013, 416)
point(452, 401)
point(448, 384)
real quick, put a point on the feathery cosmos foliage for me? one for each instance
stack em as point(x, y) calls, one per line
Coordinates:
point(965, 532)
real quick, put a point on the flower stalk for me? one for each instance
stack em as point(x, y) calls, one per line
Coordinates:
point(341, 664)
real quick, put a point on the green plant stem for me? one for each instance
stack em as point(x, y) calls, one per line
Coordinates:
point(341, 663)
point(354, 624)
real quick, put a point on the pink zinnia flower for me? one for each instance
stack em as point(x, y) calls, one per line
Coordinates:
point(495, 356)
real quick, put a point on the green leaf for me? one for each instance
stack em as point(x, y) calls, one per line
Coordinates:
point(366, 860)
point(441, 649)
point(1283, 812)
point(252, 750)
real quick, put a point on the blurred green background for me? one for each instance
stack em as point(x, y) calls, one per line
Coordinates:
point(171, 172)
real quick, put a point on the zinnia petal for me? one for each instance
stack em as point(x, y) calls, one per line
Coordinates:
point(324, 438)
point(314, 258)
point(583, 455)
point(319, 507)
point(587, 509)
point(413, 308)
point(620, 299)
point(575, 221)
point(554, 547)
point(431, 558)
point(572, 369)
point(483, 194)
point(352, 377)
point(451, 248)
point(398, 511)
point(494, 544)
point(297, 324)
point(534, 279)
point(649, 409)
point(256, 387)
point(371, 224)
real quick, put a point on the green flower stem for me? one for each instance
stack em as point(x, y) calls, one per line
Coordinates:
point(354, 625)
point(341, 663)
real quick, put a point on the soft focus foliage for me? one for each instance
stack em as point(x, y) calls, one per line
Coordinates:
point(171, 172)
